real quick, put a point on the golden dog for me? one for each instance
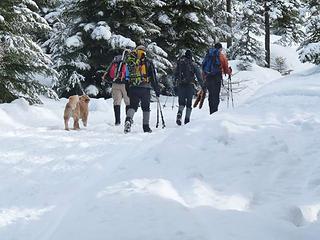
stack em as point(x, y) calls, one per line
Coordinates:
point(77, 108)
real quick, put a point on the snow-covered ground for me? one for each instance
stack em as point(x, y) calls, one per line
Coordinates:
point(246, 173)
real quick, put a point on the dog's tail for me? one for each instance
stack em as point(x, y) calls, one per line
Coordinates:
point(73, 101)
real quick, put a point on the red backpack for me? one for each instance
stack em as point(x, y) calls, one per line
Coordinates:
point(117, 70)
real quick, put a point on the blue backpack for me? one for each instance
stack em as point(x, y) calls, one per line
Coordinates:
point(211, 62)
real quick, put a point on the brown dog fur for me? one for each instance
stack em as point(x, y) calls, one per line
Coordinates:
point(77, 108)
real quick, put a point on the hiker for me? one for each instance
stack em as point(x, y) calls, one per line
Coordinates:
point(141, 75)
point(185, 75)
point(214, 65)
point(116, 74)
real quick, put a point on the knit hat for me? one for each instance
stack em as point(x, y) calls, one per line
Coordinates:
point(188, 54)
point(218, 45)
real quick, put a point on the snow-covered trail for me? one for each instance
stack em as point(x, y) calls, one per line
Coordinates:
point(246, 173)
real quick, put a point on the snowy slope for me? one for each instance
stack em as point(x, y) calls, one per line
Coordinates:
point(246, 173)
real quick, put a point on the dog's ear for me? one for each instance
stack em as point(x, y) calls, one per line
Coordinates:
point(87, 99)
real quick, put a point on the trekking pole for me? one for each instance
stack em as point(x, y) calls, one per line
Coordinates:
point(173, 98)
point(162, 119)
point(157, 125)
point(165, 102)
point(230, 93)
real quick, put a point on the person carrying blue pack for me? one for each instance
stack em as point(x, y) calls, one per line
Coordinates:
point(214, 65)
point(185, 76)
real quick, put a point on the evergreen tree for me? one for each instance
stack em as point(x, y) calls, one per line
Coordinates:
point(186, 25)
point(93, 33)
point(247, 48)
point(287, 21)
point(23, 61)
point(310, 49)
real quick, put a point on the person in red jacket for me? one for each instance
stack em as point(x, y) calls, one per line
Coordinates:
point(214, 65)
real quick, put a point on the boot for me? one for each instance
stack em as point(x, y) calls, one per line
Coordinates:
point(130, 113)
point(127, 125)
point(117, 114)
point(188, 114)
point(146, 128)
point(145, 121)
point(179, 115)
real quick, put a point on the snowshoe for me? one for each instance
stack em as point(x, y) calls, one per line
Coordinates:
point(127, 126)
point(178, 121)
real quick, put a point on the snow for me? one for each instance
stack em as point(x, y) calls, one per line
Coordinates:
point(310, 52)
point(246, 173)
point(101, 32)
point(137, 28)
point(164, 18)
point(92, 90)
point(89, 27)
point(192, 17)
point(119, 41)
point(74, 42)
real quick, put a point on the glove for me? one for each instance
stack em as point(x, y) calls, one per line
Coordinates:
point(157, 93)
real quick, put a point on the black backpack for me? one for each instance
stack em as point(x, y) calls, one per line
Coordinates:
point(186, 71)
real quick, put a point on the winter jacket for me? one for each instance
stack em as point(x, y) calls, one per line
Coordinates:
point(196, 72)
point(224, 64)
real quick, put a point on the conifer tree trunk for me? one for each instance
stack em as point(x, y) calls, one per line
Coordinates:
point(229, 23)
point(267, 32)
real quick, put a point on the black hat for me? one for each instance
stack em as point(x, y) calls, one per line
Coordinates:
point(188, 54)
point(218, 45)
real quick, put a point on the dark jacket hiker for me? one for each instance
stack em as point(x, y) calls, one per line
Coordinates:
point(141, 74)
point(186, 74)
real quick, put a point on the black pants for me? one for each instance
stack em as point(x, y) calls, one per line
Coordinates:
point(185, 94)
point(213, 84)
point(137, 94)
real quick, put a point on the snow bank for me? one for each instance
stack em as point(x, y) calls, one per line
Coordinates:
point(246, 173)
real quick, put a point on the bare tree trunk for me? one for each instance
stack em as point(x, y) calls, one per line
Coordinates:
point(229, 23)
point(267, 32)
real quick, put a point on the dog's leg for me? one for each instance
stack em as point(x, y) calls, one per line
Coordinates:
point(66, 127)
point(76, 125)
point(84, 119)
point(76, 117)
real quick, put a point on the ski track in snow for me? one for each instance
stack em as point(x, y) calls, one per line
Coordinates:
point(247, 173)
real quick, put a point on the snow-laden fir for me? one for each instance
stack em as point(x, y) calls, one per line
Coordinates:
point(246, 173)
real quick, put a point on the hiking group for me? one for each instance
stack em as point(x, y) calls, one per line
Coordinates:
point(133, 76)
